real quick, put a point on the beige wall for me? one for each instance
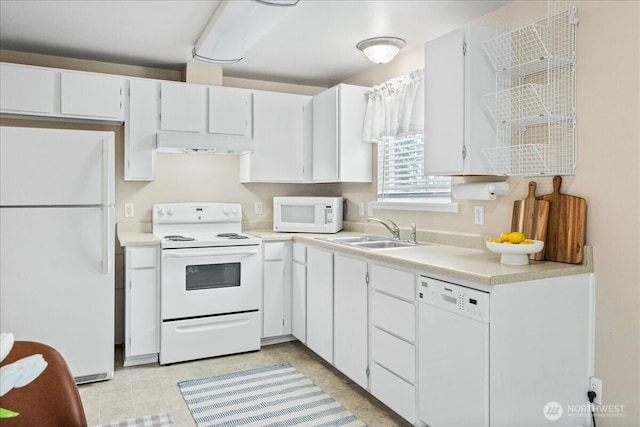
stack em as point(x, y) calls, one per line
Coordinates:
point(608, 70)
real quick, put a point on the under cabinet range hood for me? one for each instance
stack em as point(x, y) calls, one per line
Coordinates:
point(197, 143)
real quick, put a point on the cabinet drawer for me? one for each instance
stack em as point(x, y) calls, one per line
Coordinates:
point(394, 392)
point(394, 282)
point(300, 253)
point(394, 315)
point(394, 354)
point(274, 250)
point(143, 258)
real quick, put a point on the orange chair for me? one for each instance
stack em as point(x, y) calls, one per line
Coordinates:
point(52, 399)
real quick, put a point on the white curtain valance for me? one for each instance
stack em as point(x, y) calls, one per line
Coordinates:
point(395, 108)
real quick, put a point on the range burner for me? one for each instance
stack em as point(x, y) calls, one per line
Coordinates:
point(177, 238)
point(232, 236)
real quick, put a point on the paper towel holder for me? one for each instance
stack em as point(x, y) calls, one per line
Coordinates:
point(479, 190)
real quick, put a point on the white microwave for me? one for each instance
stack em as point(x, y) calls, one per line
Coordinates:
point(307, 214)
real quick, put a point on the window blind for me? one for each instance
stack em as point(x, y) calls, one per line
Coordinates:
point(401, 173)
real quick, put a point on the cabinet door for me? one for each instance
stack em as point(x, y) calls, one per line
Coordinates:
point(320, 311)
point(144, 316)
point(282, 140)
point(182, 107)
point(325, 136)
point(350, 317)
point(444, 104)
point(273, 298)
point(140, 131)
point(91, 95)
point(230, 111)
point(28, 89)
point(299, 302)
point(355, 161)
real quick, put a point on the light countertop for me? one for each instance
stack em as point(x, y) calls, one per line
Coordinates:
point(476, 265)
point(136, 234)
point(447, 257)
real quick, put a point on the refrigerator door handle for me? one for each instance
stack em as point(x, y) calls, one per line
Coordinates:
point(105, 172)
point(107, 222)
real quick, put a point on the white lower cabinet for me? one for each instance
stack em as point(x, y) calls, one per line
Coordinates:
point(320, 310)
point(350, 318)
point(142, 302)
point(299, 292)
point(393, 339)
point(276, 289)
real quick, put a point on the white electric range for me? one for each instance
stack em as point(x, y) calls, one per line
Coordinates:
point(210, 283)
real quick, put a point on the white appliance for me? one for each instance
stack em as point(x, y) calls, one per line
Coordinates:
point(307, 214)
point(57, 244)
point(454, 384)
point(210, 283)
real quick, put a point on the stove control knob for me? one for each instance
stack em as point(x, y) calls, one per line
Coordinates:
point(161, 211)
point(234, 211)
point(170, 211)
point(225, 210)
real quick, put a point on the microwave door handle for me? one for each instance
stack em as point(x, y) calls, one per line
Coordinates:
point(208, 254)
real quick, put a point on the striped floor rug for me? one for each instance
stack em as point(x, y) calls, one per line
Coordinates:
point(276, 395)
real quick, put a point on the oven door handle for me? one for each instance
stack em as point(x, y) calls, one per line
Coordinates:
point(209, 254)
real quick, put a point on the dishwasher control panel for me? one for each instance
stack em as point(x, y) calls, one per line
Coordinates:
point(464, 301)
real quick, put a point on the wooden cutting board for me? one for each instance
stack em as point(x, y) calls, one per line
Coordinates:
point(566, 226)
point(530, 217)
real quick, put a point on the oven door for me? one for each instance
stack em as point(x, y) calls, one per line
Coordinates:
point(209, 281)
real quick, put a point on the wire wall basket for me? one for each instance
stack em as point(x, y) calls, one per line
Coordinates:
point(534, 106)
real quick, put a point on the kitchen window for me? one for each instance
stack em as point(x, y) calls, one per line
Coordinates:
point(401, 177)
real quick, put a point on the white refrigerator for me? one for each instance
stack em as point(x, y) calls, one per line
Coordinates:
point(57, 244)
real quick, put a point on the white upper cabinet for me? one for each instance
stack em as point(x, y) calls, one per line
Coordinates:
point(49, 92)
point(339, 155)
point(140, 131)
point(183, 107)
point(457, 127)
point(282, 137)
point(27, 89)
point(230, 111)
point(91, 95)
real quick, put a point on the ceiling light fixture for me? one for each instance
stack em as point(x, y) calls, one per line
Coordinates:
point(381, 50)
point(235, 26)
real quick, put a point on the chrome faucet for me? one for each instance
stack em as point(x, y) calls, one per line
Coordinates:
point(393, 229)
point(413, 233)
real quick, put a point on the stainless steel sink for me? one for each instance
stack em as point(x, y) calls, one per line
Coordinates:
point(387, 244)
point(354, 239)
point(372, 242)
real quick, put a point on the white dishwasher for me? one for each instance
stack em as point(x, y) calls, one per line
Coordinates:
point(454, 355)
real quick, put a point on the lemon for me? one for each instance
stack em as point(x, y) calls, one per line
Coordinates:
point(516, 237)
point(528, 242)
point(504, 236)
point(495, 241)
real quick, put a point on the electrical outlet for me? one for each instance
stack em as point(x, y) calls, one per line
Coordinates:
point(258, 208)
point(128, 210)
point(596, 385)
point(479, 215)
point(361, 208)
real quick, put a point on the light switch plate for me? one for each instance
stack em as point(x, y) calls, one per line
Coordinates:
point(479, 215)
point(128, 210)
point(258, 208)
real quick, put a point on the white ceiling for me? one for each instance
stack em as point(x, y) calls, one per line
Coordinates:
point(314, 44)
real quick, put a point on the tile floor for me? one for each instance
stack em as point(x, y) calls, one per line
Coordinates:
point(151, 389)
